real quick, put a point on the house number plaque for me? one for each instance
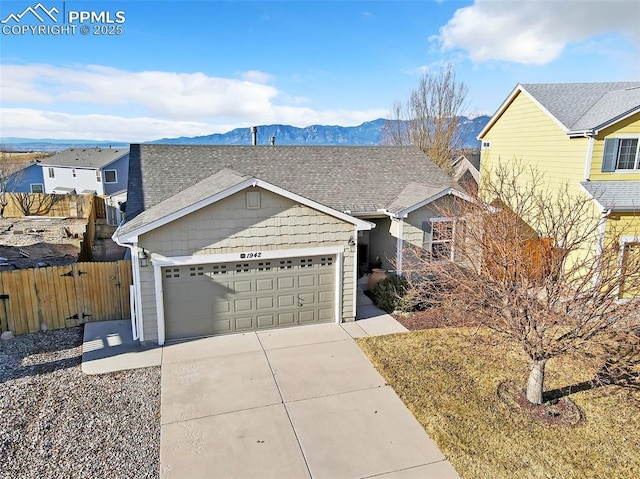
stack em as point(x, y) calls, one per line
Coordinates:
point(257, 254)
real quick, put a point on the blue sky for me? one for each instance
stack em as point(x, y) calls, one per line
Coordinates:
point(186, 68)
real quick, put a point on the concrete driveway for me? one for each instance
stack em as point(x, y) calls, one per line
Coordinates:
point(291, 403)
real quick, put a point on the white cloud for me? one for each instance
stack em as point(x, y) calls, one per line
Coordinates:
point(104, 103)
point(535, 32)
point(256, 76)
point(30, 123)
point(168, 95)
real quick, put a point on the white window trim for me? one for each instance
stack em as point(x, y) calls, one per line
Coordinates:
point(36, 184)
point(98, 176)
point(623, 242)
point(627, 136)
point(453, 236)
point(115, 172)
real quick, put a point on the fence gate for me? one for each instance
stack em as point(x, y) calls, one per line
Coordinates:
point(64, 296)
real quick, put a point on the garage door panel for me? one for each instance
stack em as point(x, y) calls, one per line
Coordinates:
point(220, 326)
point(265, 303)
point(244, 323)
point(306, 316)
point(208, 299)
point(326, 279)
point(266, 320)
point(325, 297)
point(264, 284)
point(242, 305)
point(244, 286)
point(306, 281)
point(306, 299)
point(286, 282)
point(286, 319)
point(286, 301)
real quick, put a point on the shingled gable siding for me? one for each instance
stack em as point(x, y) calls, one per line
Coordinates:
point(228, 227)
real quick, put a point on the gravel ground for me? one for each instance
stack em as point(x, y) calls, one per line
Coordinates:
point(57, 422)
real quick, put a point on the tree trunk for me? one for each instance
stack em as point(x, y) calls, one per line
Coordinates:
point(536, 381)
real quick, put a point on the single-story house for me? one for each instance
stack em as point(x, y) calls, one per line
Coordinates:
point(231, 239)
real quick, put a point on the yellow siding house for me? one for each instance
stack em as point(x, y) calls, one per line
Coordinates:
point(583, 134)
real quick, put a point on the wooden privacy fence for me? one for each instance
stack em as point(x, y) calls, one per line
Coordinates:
point(64, 296)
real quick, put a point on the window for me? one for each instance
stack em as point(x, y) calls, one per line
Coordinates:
point(620, 154)
point(52, 173)
point(110, 176)
point(37, 188)
point(99, 176)
point(73, 173)
point(486, 144)
point(438, 238)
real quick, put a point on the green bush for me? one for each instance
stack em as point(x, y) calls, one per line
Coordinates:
point(389, 293)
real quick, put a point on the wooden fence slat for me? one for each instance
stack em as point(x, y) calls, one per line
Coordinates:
point(50, 296)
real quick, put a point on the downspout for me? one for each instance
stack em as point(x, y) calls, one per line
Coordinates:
point(587, 166)
point(136, 330)
point(602, 230)
point(399, 246)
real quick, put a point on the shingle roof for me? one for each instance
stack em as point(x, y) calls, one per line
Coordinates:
point(211, 186)
point(586, 106)
point(85, 157)
point(412, 194)
point(345, 178)
point(615, 195)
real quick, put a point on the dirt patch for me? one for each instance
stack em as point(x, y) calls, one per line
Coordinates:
point(558, 412)
point(32, 242)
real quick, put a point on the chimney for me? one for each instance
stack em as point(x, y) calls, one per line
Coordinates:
point(254, 135)
point(272, 140)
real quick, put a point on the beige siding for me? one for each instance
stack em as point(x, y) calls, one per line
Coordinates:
point(525, 132)
point(229, 227)
point(630, 126)
point(382, 242)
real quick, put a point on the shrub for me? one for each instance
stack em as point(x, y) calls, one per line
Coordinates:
point(389, 294)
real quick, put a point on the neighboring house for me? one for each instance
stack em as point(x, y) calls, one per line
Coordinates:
point(26, 180)
point(103, 171)
point(586, 134)
point(240, 238)
point(466, 171)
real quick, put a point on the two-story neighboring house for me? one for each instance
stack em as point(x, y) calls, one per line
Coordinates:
point(103, 171)
point(583, 134)
point(100, 171)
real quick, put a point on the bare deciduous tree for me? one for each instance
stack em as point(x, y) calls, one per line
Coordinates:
point(553, 287)
point(9, 177)
point(429, 118)
point(35, 204)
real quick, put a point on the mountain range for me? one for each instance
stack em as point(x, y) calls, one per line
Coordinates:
point(369, 133)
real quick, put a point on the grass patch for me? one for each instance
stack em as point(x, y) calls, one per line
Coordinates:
point(449, 378)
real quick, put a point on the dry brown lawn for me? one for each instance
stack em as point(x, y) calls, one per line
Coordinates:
point(449, 378)
point(24, 157)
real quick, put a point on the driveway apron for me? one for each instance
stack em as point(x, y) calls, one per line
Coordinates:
point(303, 402)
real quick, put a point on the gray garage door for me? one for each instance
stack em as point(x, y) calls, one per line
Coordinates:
point(207, 299)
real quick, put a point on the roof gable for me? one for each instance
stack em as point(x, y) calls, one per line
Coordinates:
point(208, 191)
point(578, 108)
